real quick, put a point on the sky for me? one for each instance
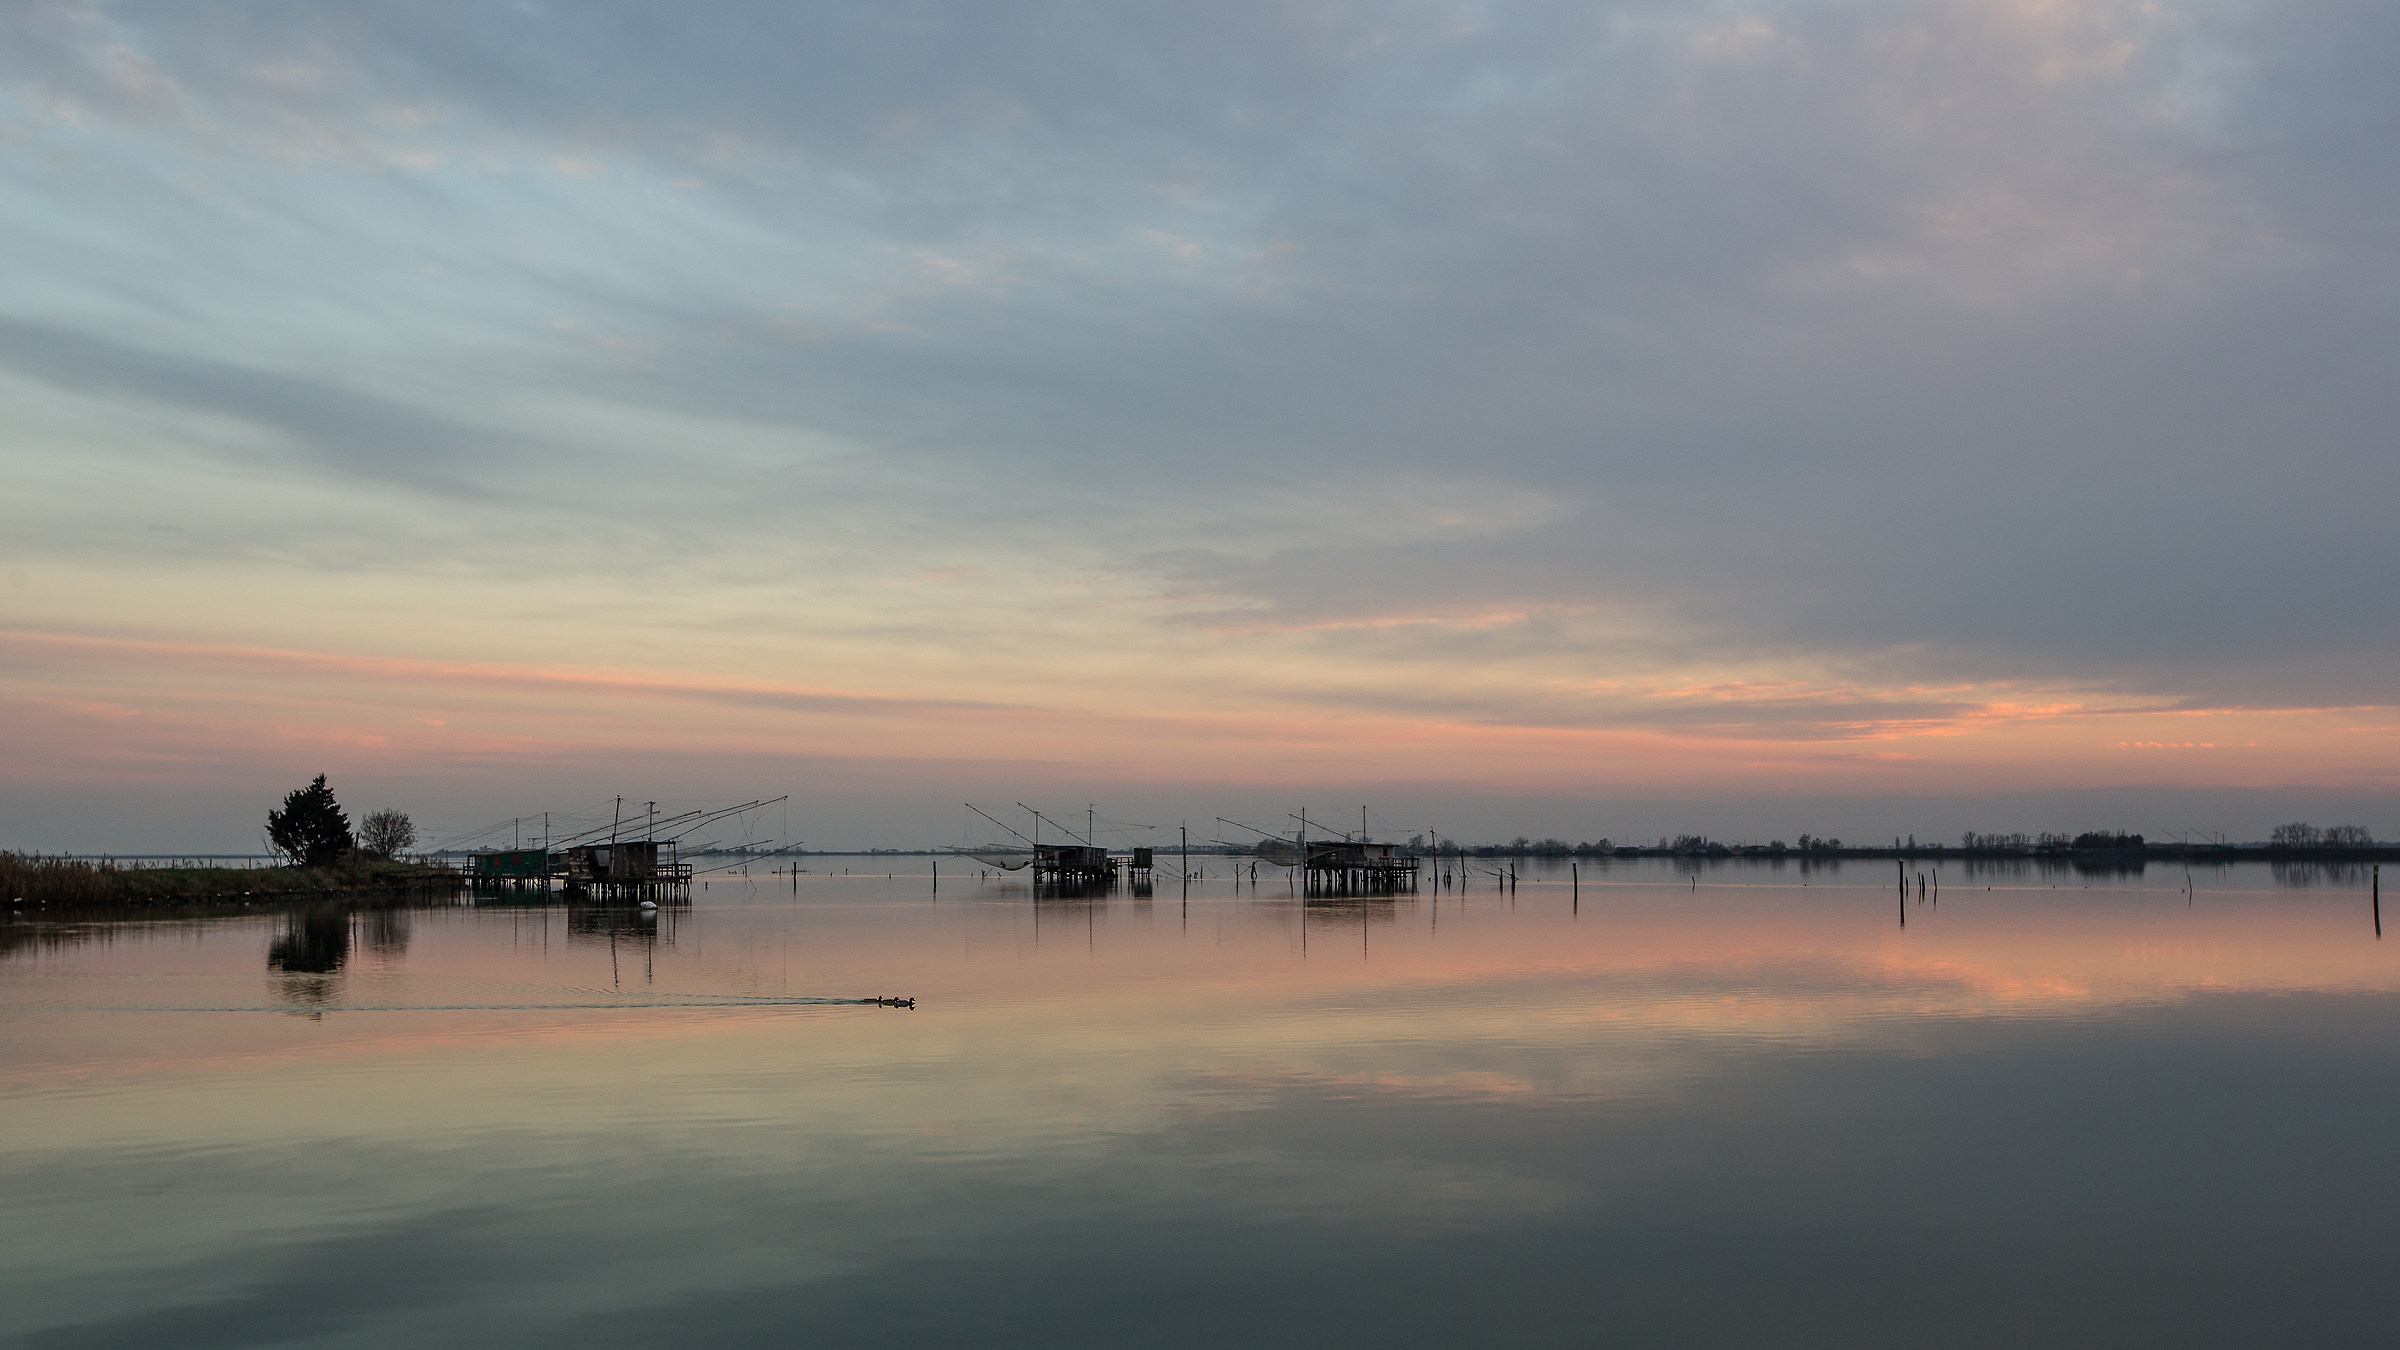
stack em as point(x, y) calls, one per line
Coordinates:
point(1579, 419)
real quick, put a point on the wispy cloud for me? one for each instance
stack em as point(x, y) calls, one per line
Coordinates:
point(1980, 382)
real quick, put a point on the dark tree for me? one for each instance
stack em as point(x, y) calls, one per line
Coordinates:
point(310, 829)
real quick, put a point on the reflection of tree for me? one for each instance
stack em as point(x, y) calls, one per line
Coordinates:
point(314, 941)
point(2109, 867)
point(2303, 875)
point(2051, 869)
point(1991, 869)
point(385, 931)
point(22, 934)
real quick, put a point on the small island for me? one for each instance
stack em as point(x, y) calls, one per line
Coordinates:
point(322, 859)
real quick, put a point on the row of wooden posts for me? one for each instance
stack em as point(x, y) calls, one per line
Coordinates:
point(1508, 881)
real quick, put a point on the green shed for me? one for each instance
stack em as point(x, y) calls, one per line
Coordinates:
point(522, 862)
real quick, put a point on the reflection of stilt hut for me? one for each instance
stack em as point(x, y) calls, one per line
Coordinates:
point(621, 923)
point(1352, 868)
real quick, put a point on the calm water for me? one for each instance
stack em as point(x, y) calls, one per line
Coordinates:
point(1755, 1110)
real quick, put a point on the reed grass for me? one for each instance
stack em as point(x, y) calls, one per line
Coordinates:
point(32, 880)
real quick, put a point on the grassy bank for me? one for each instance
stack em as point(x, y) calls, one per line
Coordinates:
point(29, 881)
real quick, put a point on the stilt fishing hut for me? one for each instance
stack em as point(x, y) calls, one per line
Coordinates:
point(597, 864)
point(1072, 864)
point(628, 869)
point(1338, 866)
point(1352, 867)
point(514, 869)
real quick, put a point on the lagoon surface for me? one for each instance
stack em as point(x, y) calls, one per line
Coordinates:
point(1736, 1104)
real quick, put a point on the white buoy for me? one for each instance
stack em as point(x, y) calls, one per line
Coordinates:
point(649, 904)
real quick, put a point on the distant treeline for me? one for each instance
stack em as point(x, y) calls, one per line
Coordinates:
point(2289, 841)
point(2019, 843)
point(2296, 839)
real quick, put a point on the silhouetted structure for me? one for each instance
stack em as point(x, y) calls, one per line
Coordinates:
point(1072, 864)
point(515, 869)
point(1354, 868)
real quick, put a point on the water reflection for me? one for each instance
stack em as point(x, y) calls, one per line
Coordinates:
point(631, 923)
point(1353, 912)
point(2109, 867)
point(1660, 1104)
point(384, 931)
point(310, 951)
point(37, 935)
point(315, 941)
point(313, 944)
point(2300, 876)
point(1070, 889)
point(1347, 923)
point(630, 932)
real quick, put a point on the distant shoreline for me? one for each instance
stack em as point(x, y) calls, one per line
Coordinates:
point(40, 882)
point(55, 884)
point(1720, 852)
point(2168, 852)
